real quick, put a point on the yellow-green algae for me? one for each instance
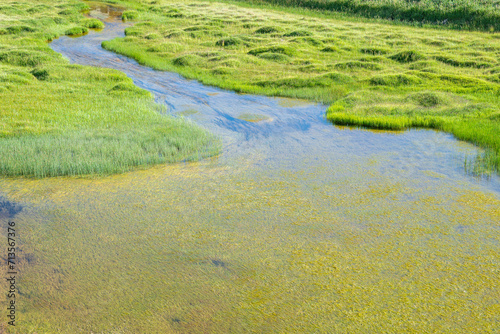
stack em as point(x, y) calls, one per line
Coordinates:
point(201, 247)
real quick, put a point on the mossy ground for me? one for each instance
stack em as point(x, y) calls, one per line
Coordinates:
point(375, 75)
point(61, 119)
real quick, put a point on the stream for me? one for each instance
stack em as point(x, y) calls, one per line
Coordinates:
point(298, 226)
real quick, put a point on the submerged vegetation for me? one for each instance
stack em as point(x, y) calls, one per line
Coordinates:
point(360, 253)
point(373, 75)
point(61, 119)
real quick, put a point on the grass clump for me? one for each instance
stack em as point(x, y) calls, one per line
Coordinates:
point(129, 88)
point(298, 33)
point(40, 74)
point(308, 40)
point(407, 56)
point(267, 30)
point(494, 78)
point(374, 51)
point(188, 60)
point(25, 58)
point(330, 49)
point(462, 63)
point(325, 80)
point(230, 41)
point(129, 15)
point(394, 80)
point(285, 50)
point(426, 99)
point(76, 31)
point(17, 29)
point(276, 57)
point(353, 65)
point(68, 12)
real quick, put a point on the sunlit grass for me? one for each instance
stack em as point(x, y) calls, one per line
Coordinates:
point(61, 119)
point(458, 14)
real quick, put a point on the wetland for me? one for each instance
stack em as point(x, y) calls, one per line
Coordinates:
point(296, 226)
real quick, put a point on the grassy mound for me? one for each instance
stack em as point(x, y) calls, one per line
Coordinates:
point(461, 14)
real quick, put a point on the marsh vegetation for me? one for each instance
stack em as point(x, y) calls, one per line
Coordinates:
point(373, 75)
point(63, 119)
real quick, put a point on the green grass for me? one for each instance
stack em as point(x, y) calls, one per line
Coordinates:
point(373, 75)
point(158, 251)
point(93, 23)
point(460, 14)
point(61, 119)
point(75, 31)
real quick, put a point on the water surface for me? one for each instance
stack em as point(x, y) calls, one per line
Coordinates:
point(298, 226)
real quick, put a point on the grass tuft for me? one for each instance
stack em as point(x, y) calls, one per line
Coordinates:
point(23, 58)
point(407, 56)
point(374, 51)
point(330, 49)
point(394, 80)
point(19, 29)
point(76, 31)
point(188, 60)
point(267, 30)
point(130, 89)
point(276, 57)
point(285, 50)
point(298, 33)
point(426, 99)
point(129, 15)
point(92, 23)
point(230, 41)
point(353, 65)
point(40, 74)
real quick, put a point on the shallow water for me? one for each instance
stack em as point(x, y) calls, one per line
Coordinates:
point(299, 226)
